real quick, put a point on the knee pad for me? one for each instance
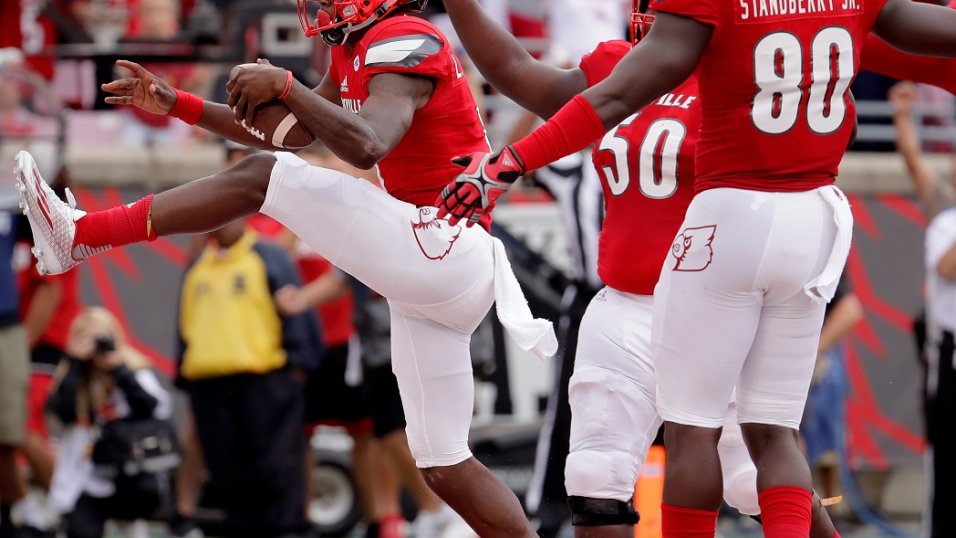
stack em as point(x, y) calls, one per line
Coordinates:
point(739, 472)
point(609, 443)
point(589, 512)
point(601, 474)
point(740, 491)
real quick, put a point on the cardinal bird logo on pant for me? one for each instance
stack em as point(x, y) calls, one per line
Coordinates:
point(435, 236)
point(693, 249)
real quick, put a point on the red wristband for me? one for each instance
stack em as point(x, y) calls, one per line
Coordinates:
point(188, 107)
point(574, 127)
point(288, 86)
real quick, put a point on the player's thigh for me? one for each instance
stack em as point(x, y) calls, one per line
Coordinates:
point(776, 377)
point(804, 243)
point(706, 307)
point(397, 249)
point(613, 414)
point(433, 366)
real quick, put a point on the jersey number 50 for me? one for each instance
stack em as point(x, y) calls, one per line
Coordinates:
point(657, 161)
point(778, 72)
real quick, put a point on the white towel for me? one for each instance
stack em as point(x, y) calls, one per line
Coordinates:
point(822, 288)
point(531, 334)
point(353, 362)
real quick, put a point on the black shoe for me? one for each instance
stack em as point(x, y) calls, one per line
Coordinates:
point(32, 532)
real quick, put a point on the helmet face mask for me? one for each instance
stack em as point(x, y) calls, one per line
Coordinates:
point(347, 16)
point(641, 20)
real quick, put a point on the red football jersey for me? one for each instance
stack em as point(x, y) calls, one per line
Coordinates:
point(646, 165)
point(774, 85)
point(420, 165)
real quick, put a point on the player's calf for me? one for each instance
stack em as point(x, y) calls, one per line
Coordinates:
point(499, 515)
point(65, 236)
point(212, 202)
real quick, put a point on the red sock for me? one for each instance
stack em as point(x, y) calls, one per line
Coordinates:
point(785, 511)
point(679, 522)
point(118, 226)
point(391, 526)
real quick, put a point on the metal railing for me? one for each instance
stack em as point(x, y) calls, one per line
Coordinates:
point(886, 132)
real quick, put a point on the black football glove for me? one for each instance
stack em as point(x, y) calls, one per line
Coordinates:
point(485, 177)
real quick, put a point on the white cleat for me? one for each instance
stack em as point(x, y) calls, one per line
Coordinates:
point(52, 220)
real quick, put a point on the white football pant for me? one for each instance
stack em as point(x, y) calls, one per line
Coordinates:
point(613, 407)
point(439, 280)
point(740, 303)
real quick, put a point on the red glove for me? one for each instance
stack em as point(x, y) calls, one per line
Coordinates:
point(485, 177)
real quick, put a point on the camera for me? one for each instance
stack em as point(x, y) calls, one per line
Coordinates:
point(103, 345)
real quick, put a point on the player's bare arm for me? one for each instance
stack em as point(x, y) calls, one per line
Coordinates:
point(151, 93)
point(507, 65)
point(918, 28)
point(360, 139)
point(661, 61)
point(364, 139)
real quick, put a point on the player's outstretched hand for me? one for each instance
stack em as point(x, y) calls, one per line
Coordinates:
point(251, 85)
point(142, 89)
point(485, 177)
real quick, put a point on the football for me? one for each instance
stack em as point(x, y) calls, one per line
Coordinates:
point(275, 124)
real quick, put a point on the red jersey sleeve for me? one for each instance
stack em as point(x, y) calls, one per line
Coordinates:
point(705, 11)
point(599, 63)
point(880, 57)
point(407, 45)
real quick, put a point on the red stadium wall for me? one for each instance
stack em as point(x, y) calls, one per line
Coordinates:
point(885, 269)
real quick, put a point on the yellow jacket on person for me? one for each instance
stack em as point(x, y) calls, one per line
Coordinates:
point(228, 322)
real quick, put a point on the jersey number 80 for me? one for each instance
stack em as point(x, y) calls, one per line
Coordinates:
point(778, 73)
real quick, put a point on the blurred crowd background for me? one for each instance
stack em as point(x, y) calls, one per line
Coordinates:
point(277, 415)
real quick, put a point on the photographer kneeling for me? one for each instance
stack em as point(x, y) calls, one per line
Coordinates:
point(116, 443)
